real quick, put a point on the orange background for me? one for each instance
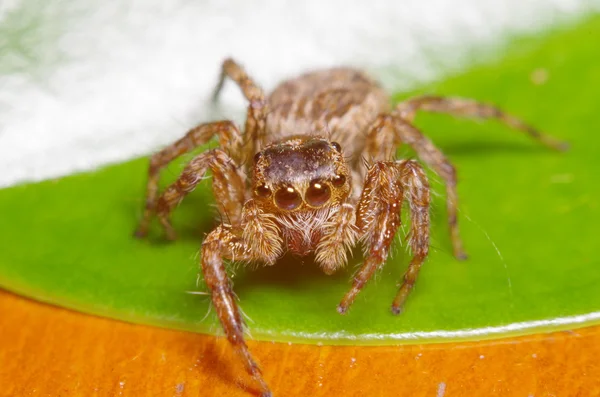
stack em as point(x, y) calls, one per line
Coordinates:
point(49, 351)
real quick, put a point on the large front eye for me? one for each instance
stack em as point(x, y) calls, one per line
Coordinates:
point(318, 193)
point(288, 198)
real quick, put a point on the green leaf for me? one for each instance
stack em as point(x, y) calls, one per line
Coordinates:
point(528, 218)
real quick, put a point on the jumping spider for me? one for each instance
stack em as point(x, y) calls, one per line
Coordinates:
point(323, 179)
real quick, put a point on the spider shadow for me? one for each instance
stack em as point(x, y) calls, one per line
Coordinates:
point(290, 272)
point(215, 358)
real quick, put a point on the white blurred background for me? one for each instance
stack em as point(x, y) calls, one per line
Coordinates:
point(87, 82)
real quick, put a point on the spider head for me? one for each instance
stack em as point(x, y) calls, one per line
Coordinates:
point(300, 174)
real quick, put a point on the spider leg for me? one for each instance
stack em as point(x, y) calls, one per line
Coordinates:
point(378, 218)
point(418, 196)
point(434, 157)
point(229, 139)
point(225, 242)
point(235, 72)
point(387, 133)
point(470, 108)
point(255, 129)
point(228, 187)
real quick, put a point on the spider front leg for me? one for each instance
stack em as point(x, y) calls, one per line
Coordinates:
point(228, 187)
point(229, 138)
point(378, 218)
point(387, 133)
point(255, 239)
point(255, 129)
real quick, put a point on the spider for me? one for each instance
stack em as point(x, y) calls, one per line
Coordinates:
point(323, 178)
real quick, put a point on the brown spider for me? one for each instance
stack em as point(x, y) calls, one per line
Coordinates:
point(321, 181)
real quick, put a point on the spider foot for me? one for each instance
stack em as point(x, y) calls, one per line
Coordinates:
point(457, 247)
point(140, 233)
point(342, 308)
point(397, 309)
point(170, 234)
point(461, 256)
point(143, 226)
point(405, 288)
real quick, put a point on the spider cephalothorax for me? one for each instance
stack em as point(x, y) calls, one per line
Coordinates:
point(323, 178)
point(300, 174)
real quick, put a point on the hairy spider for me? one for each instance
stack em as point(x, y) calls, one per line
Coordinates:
point(323, 178)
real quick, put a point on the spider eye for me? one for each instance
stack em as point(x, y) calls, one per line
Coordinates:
point(257, 157)
point(318, 193)
point(263, 191)
point(336, 146)
point(338, 180)
point(288, 198)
